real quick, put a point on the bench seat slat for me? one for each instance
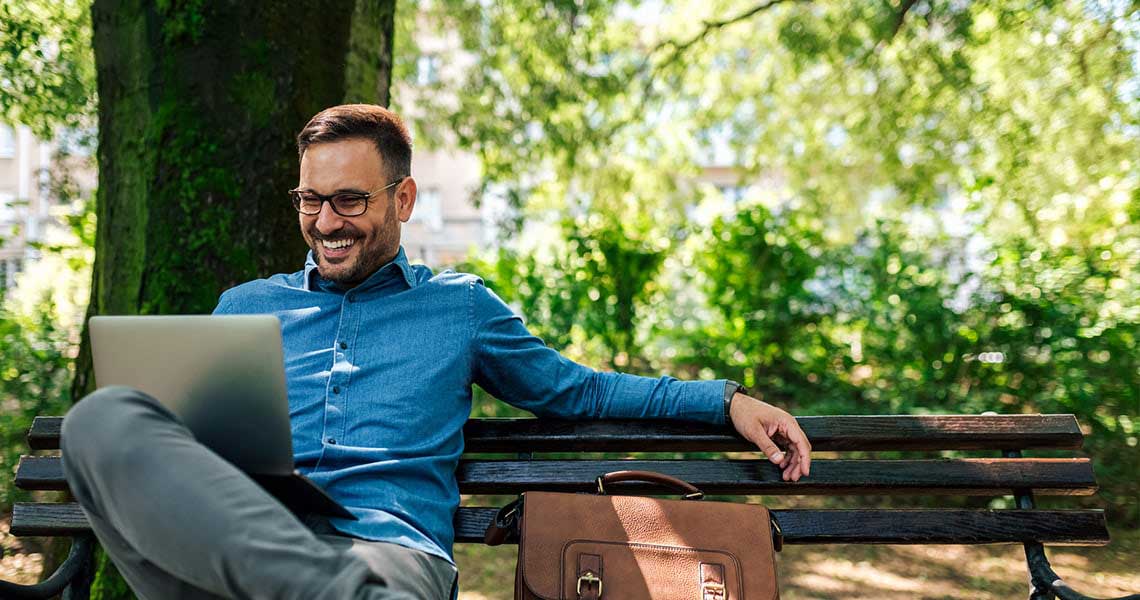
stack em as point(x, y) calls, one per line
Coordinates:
point(830, 433)
point(979, 476)
point(800, 526)
point(974, 476)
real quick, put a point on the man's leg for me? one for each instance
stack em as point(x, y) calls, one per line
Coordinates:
point(404, 569)
point(178, 519)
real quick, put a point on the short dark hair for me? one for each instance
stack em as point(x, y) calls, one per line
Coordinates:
point(366, 122)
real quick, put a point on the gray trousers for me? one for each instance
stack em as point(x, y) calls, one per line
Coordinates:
point(180, 522)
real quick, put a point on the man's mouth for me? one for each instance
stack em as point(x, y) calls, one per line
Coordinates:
point(337, 244)
point(337, 249)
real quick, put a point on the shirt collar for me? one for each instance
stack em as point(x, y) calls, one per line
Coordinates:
point(399, 265)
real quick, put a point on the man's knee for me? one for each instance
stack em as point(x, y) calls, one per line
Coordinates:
point(105, 420)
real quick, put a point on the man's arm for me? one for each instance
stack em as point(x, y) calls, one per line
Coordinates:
point(518, 368)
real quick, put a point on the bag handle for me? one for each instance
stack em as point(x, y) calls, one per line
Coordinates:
point(687, 490)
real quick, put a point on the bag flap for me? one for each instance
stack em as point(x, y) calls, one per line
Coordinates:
point(551, 521)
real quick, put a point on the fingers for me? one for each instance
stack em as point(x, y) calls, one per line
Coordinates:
point(771, 450)
point(801, 447)
point(798, 463)
point(790, 463)
point(791, 470)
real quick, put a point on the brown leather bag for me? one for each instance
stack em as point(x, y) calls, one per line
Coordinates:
point(582, 546)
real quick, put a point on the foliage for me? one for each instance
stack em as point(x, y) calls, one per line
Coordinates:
point(41, 315)
point(34, 380)
point(47, 71)
point(930, 206)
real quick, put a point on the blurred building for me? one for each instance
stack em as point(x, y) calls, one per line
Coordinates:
point(446, 224)
point(30, 211)
point(24, 206)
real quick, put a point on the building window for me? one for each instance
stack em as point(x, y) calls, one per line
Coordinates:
point(733, 193)
point(427, 69)
point(7, 142)
point(429, 209)
point(7, 210)
point(8, 271)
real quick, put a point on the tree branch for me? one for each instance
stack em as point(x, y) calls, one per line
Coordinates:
point(647, 69)
point(900, 18)
point(679, 48)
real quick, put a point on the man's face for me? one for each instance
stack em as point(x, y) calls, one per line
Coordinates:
point(349, 249)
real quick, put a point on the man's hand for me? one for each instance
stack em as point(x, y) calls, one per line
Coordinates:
point(765, 425)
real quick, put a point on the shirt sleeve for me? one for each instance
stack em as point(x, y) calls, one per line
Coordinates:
point(519, 369)
point(225, 306)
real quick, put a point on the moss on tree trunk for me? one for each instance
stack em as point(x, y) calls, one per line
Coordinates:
point(199, 103)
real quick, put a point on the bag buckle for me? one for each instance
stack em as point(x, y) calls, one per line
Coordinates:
point(712, 591)
point(589, 577)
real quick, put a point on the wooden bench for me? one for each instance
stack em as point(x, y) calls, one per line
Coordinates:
point(509, 456)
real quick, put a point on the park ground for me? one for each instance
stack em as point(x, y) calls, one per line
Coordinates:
point(809, 572)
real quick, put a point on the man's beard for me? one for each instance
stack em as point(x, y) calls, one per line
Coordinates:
point(369, 258)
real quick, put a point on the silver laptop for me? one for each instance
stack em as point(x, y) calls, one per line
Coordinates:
point(224, 378)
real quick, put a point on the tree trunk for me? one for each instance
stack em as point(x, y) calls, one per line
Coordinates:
point(199, 105)
point(368, 72)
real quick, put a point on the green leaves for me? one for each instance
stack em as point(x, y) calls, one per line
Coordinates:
point(47, 70)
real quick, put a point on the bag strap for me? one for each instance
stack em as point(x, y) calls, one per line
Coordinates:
point(505, 526)
point(777, 533)
point(688, 490)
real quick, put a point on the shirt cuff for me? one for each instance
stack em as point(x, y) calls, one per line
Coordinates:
point(704, 401)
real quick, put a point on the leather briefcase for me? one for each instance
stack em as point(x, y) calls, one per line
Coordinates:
point(585, 546)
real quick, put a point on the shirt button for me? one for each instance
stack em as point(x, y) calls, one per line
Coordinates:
point(332, 441)
point(344, 345)
point(336, 389)
point(350, 298)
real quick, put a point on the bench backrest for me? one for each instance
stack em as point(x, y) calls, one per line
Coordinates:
point(509, 456)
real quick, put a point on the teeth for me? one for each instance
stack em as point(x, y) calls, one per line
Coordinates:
point(333, 245)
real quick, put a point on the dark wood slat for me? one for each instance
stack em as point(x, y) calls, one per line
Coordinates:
point(931, 526)
point(41, 518)
point(44, 433)
point(40, 473)
point(929, 432)
point(997, 476)
point(974, 476)
point(901, 526)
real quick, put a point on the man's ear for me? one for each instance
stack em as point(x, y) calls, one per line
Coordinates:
point(405, 198)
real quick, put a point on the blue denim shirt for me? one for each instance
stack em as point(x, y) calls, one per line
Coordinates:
point(379, 380)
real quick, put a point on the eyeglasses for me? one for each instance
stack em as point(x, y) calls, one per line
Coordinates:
point(345, 204)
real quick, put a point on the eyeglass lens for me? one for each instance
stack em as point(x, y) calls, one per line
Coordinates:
point(345, 205)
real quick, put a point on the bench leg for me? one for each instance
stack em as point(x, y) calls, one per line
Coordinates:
point(80, 586)
point(1044, 582)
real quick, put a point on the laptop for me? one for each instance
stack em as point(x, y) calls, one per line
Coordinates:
point(224, 378)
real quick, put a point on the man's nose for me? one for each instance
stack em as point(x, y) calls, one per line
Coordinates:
point(327, 220)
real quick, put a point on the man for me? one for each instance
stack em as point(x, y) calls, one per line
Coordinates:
point(380, 358)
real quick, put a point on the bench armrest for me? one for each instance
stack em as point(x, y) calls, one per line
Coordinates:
point(78, 557)
point(1046, 583)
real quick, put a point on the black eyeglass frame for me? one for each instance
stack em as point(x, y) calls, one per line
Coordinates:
point(295, 194)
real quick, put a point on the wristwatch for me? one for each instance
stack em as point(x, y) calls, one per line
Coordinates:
point(731, 388)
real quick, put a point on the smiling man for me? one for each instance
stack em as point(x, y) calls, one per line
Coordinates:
point(380, 358)
point(349, 241)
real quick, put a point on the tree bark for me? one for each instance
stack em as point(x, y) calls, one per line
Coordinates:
point(368, 72)
point(199, 105)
